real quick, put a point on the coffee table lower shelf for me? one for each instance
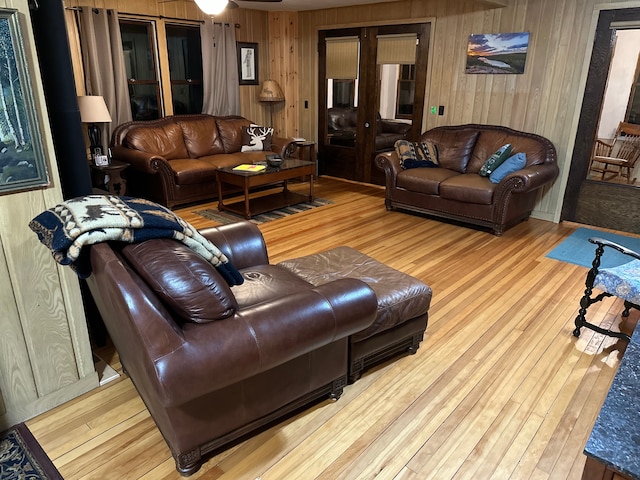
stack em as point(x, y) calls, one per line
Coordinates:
point(265, 204)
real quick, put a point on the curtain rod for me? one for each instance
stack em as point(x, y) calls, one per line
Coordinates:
point(161, 17)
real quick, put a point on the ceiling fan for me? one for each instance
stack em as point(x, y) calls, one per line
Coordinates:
point(213, 7)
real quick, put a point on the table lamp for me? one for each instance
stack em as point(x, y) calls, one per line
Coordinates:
point(93, 110)
point(271, 92)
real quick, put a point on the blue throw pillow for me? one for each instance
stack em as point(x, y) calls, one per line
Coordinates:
point(510, 165)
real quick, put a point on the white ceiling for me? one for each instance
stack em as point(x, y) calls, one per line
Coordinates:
point(295, 5)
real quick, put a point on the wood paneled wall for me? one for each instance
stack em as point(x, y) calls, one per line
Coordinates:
point(45, 355)
point(543, 100)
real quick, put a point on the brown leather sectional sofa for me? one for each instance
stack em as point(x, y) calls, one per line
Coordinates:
point(456, 191)
point(214, 363)
point(173, 161)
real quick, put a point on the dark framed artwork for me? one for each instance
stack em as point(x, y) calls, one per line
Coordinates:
point(247, 63)
point(497, 53)
point(22, 161)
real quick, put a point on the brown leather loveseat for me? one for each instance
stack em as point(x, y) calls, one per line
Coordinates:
point(173, 160)
point(455, 190)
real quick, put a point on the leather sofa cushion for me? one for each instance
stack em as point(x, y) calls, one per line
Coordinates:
point(400, 296)
point(165, 140)
point(424, 180)
point(188, 285)
point(192, 171)
point(201, 136)
point(230, 129)
point(264, 283)
point(468, 188)
point(454, 147)
point(491, 140)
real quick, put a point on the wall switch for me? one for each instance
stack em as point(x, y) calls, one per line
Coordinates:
point(441, 110)
point(434, 110)
point(306, 104)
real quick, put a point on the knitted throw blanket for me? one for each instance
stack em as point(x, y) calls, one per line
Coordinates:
point(66, 228)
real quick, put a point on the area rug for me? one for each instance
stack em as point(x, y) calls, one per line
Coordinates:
point(22, 457)
point(577, 249)
point(230, 217)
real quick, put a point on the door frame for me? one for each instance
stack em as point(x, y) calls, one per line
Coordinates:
point(597, 76)
point(367, 110)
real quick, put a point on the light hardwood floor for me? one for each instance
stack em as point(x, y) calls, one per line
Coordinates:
point(498, 389)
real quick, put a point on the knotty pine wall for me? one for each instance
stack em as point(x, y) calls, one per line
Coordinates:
point(544, 100)
point(45, 355)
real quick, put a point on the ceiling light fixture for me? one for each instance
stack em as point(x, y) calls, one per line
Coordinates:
point(212, 7)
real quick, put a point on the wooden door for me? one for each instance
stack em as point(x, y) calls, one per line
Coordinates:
point(350, 125)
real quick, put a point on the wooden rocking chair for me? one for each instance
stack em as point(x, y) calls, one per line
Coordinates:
point(620, 156)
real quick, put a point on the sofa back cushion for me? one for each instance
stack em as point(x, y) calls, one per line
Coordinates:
point(189, 286)
point(201, 136)
point(165, 140)
point(230, 129)
point(454, 147)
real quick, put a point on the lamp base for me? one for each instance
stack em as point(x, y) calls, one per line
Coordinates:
point(93, 131)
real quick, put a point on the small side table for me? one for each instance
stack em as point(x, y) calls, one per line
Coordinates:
point(307, 151)
point(109, 177)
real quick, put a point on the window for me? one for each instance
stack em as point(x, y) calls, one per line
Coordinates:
point(185, 65)
point(406, 91)
point(140, 59)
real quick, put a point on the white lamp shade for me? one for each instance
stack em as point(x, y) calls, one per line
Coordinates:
point(211, 7)
point(93, 109)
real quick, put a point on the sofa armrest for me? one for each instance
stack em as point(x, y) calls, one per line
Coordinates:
point(241, 242)
point(261, 337)
point(389, 162)
point(530, 178)
point(142, 161)
point(283, 146)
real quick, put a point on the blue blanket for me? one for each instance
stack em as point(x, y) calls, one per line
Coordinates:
point(66, 228)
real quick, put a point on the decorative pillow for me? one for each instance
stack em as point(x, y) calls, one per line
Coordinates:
point(495, 160)
point(415, 154)
point(256, 138)
point(510, 165)
point(186, 283)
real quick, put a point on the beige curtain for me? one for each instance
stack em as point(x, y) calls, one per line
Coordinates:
point(219, 69)
point(342, 57)
point(397, 49)
point(103, 62)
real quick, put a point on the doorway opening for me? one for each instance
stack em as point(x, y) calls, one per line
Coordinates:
point(606, 199)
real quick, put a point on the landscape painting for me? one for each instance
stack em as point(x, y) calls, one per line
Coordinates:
point(497, 53)
point(22, 162)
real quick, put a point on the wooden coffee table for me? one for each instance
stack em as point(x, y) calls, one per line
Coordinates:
point(290, 168)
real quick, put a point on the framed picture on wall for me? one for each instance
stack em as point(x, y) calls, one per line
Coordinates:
point(22, 160)
point(497, 52)
point(247, 63)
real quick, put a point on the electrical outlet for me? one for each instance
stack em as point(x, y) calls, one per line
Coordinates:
point(306, 104)
point(434, 110)
point(441, 110)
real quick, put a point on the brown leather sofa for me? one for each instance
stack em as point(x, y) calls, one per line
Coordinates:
point(342, 123)
point(456, 191)
point(173, 161)
point(212, 362)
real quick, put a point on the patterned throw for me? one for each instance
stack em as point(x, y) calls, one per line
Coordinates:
point(66, 228)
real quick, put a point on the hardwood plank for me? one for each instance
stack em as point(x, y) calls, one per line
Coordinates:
point(498, 389)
